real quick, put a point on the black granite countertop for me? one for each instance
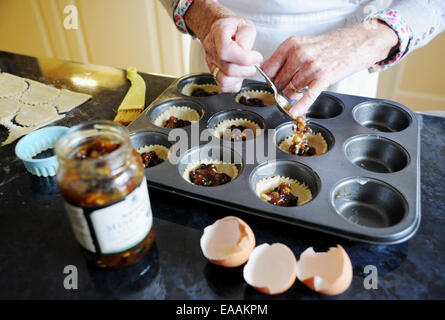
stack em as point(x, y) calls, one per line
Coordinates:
point(36, 240)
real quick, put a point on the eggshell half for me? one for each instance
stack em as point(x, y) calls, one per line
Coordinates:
point(271, 269)
point(228, 242)
point(325, 272)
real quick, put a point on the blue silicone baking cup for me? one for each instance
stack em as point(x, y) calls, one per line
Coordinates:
point(36, 142)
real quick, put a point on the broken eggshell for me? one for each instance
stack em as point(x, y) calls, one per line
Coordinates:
point(325, 272)
point(271, 269)
point(228, 242)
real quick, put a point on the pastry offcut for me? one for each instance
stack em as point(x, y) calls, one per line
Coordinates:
point(27, 105)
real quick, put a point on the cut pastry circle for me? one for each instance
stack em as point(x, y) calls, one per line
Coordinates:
point(30, 115)
point(300, 190)
point(220, 130)
point(39, 93)
point(11, 85)
point(68, 100)
point(8, 107)
point(26, 105)
point(266, 97)
point(315, 140)
point(208, 87)
point(160, 150)
point(182, 113)
point(221, 167)
point(16, 132)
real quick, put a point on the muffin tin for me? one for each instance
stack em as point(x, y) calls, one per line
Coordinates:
point(365, 188)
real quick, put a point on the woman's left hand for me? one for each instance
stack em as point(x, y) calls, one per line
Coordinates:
point(320, 61)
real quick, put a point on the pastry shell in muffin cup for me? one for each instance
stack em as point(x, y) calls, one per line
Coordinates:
point(314, 140)
point(221, 167)
point(221, 127)
point(208, 87)
point(161, 151)
point(182, 113)
point(267, 97)
point(300, 190)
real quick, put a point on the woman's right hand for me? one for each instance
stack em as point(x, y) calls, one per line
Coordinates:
point(227, 40)
point(228, 46)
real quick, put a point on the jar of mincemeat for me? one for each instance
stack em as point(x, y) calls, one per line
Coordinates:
point(101, 179)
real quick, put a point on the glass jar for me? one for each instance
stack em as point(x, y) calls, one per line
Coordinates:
point(101, 179)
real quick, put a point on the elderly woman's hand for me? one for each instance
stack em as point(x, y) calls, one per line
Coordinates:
point(320, 61)
point(227, 40)
point(228, 46)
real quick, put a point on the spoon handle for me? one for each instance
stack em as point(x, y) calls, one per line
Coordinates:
point(268, 81)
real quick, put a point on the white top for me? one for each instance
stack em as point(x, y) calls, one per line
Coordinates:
point(276, 20)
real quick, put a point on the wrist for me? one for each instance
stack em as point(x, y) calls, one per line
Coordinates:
point(387, 39)
point(378, 41)
point(202, 14)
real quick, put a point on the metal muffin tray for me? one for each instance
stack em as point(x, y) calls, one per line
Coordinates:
point(365, 188)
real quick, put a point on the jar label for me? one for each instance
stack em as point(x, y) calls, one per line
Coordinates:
point(114, 228)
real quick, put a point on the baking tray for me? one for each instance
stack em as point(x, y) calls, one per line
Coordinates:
point(365, 188)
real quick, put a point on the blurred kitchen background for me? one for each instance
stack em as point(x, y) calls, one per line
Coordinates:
point(140, 33)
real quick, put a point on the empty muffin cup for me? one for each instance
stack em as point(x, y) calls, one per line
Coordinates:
point(369, 202)
point(376, 154)
point(381, 116)
point(304, 182)
point(325, 107)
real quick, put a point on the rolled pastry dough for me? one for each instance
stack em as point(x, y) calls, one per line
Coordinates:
point(68, 100)
point(8, 107)
point(39, 93)
point(16, 132)
point(35, 115)
point(11, 85)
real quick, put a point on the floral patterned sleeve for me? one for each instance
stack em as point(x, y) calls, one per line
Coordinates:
point(179, 13)
point(393, 19)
